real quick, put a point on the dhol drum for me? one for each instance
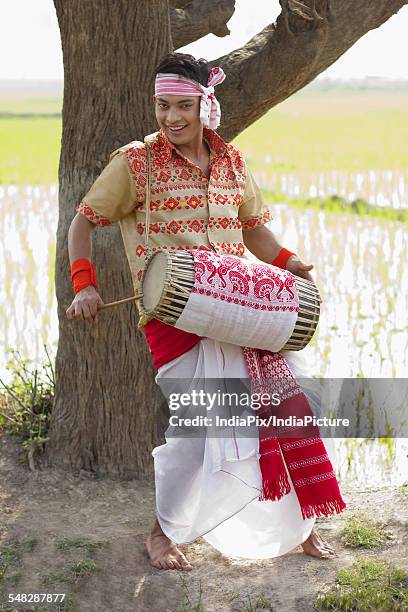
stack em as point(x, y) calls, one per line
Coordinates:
point(230, 299)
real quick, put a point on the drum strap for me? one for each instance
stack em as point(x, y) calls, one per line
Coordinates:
point(148, 187)
point(143, 317)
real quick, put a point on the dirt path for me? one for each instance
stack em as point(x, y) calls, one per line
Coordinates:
point(38, 510)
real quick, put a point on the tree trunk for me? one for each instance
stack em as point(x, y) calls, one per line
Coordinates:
point(106, 404)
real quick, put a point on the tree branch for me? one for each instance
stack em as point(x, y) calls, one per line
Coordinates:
point(199, 18)
point(308, 37)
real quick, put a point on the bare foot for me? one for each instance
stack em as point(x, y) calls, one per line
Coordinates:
point(163, 553)
point(317, 547)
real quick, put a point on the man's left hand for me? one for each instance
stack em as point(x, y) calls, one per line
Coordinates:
point(298, 267)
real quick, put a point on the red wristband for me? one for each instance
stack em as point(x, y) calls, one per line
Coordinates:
point(281, 260)
point(83, 274)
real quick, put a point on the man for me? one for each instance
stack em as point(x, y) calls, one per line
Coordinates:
point(202, 197)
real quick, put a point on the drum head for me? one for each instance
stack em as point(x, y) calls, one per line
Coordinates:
point(154, 281)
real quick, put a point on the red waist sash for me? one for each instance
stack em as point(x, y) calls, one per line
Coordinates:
point(167, 342)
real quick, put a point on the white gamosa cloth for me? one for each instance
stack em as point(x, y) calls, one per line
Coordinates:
point(210, 486)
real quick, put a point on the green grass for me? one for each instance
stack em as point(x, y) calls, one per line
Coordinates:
point(70, 573)
point(32, 106)
point(361, 531)
point(309, 132)
point(85, 543)
point(29, 150)
point(367, 586)
point(82, 568)
point(260, 603)
point(26, 402)
point(10, 557)
point(347, 131)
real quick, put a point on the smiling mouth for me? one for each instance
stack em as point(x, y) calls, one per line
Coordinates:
point(174, 130)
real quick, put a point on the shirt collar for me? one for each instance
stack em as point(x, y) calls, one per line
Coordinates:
point(164, 148)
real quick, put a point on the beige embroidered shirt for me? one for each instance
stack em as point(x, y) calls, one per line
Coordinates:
point(188, 211)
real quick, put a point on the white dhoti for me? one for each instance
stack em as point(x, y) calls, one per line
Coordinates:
point(209, 486)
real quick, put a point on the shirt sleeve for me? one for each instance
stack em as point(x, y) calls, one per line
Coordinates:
point(113, 195)
point(254, 210)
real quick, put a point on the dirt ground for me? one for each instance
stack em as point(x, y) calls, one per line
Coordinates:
point(38, 510)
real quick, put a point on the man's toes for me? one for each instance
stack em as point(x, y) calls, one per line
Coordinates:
point(185, 565)
point(324, 545)
point(175, 563)
point(325, 555)
point(329, 549)
point(156, 564)
point(316, 547)
point(324, 551)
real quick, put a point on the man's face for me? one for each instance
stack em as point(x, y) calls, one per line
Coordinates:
point(183, 112)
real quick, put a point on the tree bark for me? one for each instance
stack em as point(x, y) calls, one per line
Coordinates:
point(199, 18)
point(106, 404)
point(179, 3)
point(307, 38)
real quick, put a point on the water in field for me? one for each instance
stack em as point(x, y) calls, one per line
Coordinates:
point(28, 311)
point(361, 271)
point(385, 188)
point(371, 464)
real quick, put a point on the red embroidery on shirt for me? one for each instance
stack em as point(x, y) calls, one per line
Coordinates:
point(174, 226)
point(224, 223)
point(258, 220)
point(172, 203)
point(221, 199)
point(232, 248)
point(163, 177)
point(194, 201)
point(184, 174)
point(140, 250)
point(92, 215)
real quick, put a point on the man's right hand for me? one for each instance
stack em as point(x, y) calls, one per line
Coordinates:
point(85, 305)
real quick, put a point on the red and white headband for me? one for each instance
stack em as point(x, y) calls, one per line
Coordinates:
point(177, 85)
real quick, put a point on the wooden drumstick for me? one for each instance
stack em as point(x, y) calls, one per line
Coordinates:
point(124, 301)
